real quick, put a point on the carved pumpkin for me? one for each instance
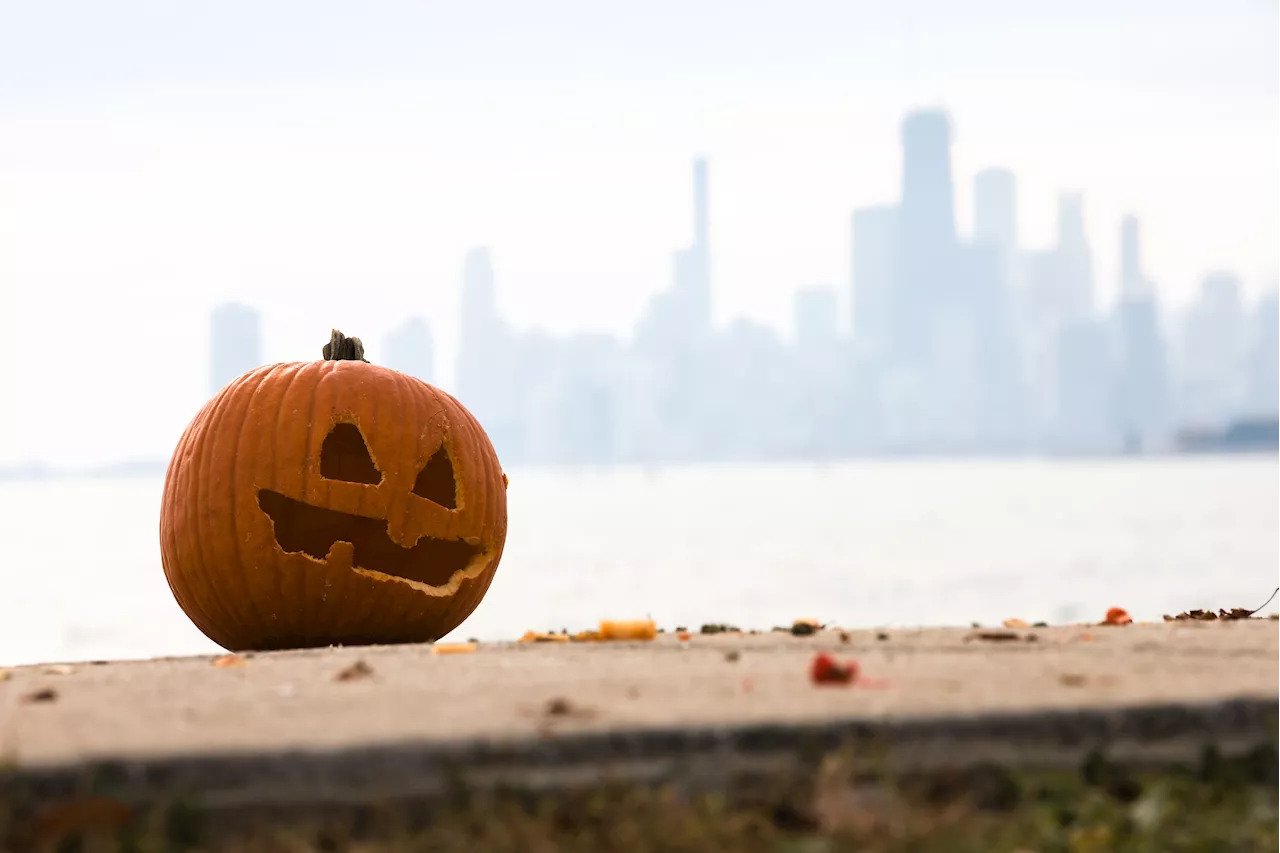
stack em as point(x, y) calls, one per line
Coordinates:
point(331, 502)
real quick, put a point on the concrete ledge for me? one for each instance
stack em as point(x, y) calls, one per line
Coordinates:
point(705, 758)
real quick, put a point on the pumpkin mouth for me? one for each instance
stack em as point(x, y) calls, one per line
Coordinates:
point(303, 528)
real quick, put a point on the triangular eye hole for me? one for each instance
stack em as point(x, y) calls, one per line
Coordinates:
point(436, 482)
point(345, 456)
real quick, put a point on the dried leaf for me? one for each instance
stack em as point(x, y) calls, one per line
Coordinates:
point(4, 675)
point(229, 660)
point(356, 671)
point(1016, 623)
point(1231, 615)
point(44, 694)
point(1071, 679)
point(805, 627)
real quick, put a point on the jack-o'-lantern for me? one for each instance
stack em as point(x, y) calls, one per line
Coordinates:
point(331, 502)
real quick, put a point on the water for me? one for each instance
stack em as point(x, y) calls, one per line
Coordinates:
point(860, 544)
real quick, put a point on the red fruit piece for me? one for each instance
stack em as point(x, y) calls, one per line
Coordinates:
point(827, 670)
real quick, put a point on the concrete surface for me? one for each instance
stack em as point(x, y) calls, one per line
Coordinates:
point(403, 714)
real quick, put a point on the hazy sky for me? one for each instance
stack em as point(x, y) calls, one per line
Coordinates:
point(331, 163)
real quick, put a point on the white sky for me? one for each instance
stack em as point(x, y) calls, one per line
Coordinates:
point(331, 163)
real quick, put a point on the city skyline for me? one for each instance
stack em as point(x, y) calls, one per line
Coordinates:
point(1002, 349)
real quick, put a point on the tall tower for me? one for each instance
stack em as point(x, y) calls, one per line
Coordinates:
point(1130, 258)
point(927, 232)
point(235, 343)
point(1075, 259)
point(995, 210)
point(699, 258)
point(928, 206)
point(700, 222)
point(691, 291)
point(874, 273)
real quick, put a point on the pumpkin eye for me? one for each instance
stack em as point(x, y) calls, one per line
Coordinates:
point(436, 482)
point(345, 456)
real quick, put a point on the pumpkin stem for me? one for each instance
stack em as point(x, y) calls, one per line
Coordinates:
point(342, 348)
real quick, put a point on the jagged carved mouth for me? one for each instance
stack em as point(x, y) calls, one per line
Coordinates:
point(312, 530)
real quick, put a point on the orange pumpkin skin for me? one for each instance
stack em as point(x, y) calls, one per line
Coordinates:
point(278, 530)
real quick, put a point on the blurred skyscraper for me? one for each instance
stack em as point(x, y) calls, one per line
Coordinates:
point(410, 349)
point(486, 357)
point(1131, 279)
point(814, 315)
point(1143, 392)
point(691, 291)
point(1084, 421)
point(235, 343)
point(1075, 259)
point(927, 231)
point(876, 245)
point(1212, 357)
point(1263, 389)
point(995, 216)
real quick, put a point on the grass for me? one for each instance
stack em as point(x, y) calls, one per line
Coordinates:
point(1217, 804)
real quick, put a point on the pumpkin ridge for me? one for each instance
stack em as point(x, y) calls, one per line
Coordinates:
point(281, 580)
point(199, 540)
point(247, 410)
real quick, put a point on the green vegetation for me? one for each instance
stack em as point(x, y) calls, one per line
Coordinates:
point(1218, 804)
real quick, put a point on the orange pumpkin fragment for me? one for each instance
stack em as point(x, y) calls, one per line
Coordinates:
point(1117, 616)
point(331, 502)
point(453, 648)
point(640, 629)
point(827, 670)
point(539, 637)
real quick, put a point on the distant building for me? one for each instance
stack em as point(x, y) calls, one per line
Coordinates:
point(1143, 393)
point(235, 343)
point(1263, 357)
point(691, 270)
point(1084, 421)
point(1075, 260)
point(995, 215)
point(814, 315)
point(927, 232)
point(410, 349)
point(486, 357)
point(1131, 277)
point(1143, 405)
point(1212, 356)
point(876, 244)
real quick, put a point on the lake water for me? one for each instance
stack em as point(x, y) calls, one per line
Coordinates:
point(860, 544)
